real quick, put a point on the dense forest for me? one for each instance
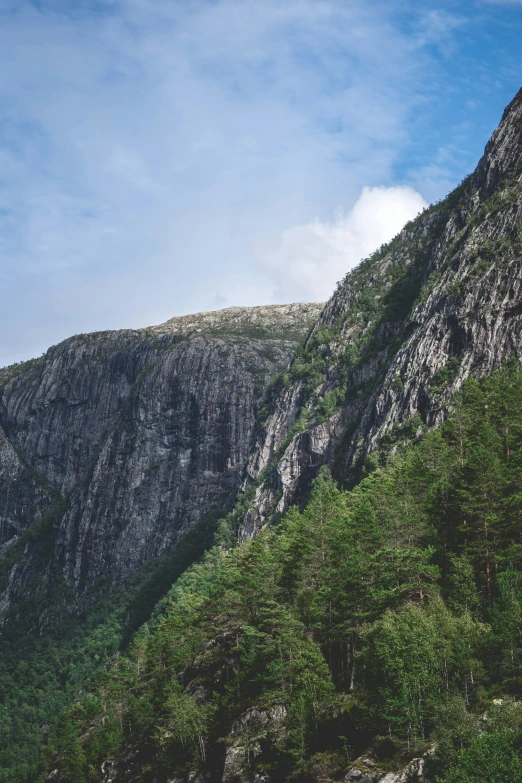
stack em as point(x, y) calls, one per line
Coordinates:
point(385, 620)
point(353, 625)
point(41, 673)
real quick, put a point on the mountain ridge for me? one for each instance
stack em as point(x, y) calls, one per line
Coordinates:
point(252, 661)
point(437, 270)
point(172, 403)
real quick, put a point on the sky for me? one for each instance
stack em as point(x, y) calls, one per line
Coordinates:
point(163, 157)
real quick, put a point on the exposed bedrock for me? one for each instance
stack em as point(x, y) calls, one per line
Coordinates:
point(112, 444)
point(439, 303)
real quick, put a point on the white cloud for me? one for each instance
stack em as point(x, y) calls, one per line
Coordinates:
point(148, 147)
point(312, 258)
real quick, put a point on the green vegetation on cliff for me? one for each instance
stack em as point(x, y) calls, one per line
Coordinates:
point(382, 618)
point(41, 673)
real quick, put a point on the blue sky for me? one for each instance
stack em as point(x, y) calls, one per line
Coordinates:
point(161, 157)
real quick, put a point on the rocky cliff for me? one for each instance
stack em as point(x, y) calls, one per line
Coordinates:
point(112, 444)
point(402, 332)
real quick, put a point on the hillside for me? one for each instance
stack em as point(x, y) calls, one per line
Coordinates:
point(113, 444)
point(442, 301)
point(280, 543)
point(345, 641)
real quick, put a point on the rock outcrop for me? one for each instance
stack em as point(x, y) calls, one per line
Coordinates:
point(367, 771)
point(403, 331)
point(246, 735)
point(112, 444)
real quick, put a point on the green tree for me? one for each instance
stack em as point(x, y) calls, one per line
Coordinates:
point(417, 656)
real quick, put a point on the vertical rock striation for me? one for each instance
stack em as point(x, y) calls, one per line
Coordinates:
point(442, 301)
point(114, 443)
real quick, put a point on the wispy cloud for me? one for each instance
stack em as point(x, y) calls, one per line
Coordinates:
point(312, 258)
point(148, 149)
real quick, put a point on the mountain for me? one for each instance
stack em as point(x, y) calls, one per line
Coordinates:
point(400, 335)
point(113, 444)
point(336, 627)
point(373, 636)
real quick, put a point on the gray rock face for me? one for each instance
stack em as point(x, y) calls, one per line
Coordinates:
point(364, 772)
point(401, 334)
point(246, 734)
point(112, 444)
point(172, 426)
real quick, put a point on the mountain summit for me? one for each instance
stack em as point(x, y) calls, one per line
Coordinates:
point(279, 543)
point(403, 331)
point(114, 443)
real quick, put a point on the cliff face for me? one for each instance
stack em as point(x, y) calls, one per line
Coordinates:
point(400, 335)
point(117, 442)
point(113, 444)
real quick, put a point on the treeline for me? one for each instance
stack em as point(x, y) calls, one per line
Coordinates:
point(42, 672)
point(384, 619)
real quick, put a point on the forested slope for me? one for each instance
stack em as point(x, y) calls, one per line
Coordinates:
point(113, 444)
point(118, 453)
point(380, 614)
point(400, 335)
point(373, 621)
